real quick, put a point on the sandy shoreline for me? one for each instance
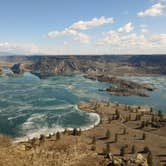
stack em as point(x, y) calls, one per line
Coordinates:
point(131, 128)
point(60, 129)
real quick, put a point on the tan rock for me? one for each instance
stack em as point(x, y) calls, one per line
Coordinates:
point(141, 160)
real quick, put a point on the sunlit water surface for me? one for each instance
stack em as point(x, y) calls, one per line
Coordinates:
point(30, 106)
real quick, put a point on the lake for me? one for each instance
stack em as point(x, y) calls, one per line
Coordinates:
point(30, 106)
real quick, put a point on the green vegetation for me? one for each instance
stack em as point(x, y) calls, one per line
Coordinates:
point(116, 138)
point(93, 148)
point(133, 149)
point(108, 134)
point(76, 132)
point(122, 151)
point(146, 149)
point(42, 138)
point(160, 114)
point(58, 136)
point(143, 136)
point(94, 140)
point(106, 150)
point(150, 159)
point(124, 131)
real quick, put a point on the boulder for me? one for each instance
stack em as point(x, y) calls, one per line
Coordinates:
point(18, 68)
point(140, 160)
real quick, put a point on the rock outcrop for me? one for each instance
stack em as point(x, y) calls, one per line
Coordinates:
point(18, 68)
point(121, 87)
point(47, 67)
point(138, 160)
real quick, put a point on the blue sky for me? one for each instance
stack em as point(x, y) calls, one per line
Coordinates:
point(106, 27)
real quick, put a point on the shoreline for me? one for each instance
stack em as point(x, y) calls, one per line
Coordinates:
point(98, 114)
point(121, 127)
point(82, 129)
point(60, 129)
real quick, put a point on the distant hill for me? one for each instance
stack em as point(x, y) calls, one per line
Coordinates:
point(150, 60)
point(110, 64)
point(5, 54)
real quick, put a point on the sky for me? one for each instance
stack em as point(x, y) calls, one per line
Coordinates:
point(72, 27)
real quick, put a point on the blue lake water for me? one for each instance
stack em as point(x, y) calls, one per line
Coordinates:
point(30, 106)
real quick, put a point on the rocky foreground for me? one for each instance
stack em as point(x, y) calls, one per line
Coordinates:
point(126, 135)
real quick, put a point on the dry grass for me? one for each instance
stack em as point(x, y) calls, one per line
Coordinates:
point(5, 141)
point(72, 150)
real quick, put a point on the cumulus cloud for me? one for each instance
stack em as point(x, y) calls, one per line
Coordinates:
point(144, 28)
point(74, 29)
point(159, 39)
point(81, 37)
point(19, 48)
point(114, 37)
point(127, 28)
point(133, 43)
point(156, 10)
point(84, 25)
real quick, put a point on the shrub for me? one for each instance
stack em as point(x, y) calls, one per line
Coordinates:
point(122, 151)
point(93, 148)
point(108, 149)
point(143, 136)
point(150, 159)
point(116, 137)
point(146, 149)
point(104, 151)
point(151, 109)
point(58, 135)
point(42, 138)
point(75, 132)
point(152, 119)
point(160, 114)
point(117, 114)
point(108, 134)
point(65, 131)
point(124, 131)
point(133, 149)
point(142, 125)
point(129, 117)
point(138, 117)
point(94, 140)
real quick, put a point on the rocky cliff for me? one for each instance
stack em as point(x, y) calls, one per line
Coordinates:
point(18, 68)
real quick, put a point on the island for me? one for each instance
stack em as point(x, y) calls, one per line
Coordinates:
point(122, 87)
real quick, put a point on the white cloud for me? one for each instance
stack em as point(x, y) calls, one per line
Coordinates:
point(159, 39)
point(74, 29)
point(155, 10)
point(144, 28)
point(133, 43)
point(127, 28)
point(19, 48)
point(84, 25)
point(65, 43)
point(81, 37)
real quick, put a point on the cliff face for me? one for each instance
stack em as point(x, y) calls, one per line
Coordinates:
point(47, 67)
point(18, 68)
point(44, 66)
point(1, 74)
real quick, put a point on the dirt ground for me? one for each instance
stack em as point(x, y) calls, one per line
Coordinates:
point(87, 148)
